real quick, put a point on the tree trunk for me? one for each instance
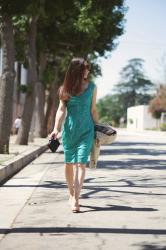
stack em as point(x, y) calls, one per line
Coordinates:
point(52, 104)
point(23, 134)
point(6, 83)
point(16, 92)
point(40, 100)
point(18, 88)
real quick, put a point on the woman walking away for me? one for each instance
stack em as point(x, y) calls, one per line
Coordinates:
point(78, 96)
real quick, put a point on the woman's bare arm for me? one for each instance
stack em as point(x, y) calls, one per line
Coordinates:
point(60, 114)
point(93, 106)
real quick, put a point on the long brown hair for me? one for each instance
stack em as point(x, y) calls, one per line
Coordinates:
point(74, 76)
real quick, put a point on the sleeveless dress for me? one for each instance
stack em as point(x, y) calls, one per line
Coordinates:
point(78, 128)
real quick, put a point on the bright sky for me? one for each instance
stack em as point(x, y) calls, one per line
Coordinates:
point(144, 37)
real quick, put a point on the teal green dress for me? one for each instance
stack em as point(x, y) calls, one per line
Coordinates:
point(78, 128)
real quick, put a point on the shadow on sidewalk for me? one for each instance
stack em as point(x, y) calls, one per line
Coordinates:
point(133, 164)
point(45, 184)
point(117, 208)
point(42, 230)
point(150, 247)
point(130, 143)
point(101, 184)
point(146, 150)
point(132, 151)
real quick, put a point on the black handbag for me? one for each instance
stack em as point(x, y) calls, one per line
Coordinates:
point(53, 144)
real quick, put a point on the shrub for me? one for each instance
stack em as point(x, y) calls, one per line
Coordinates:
point(163, 127)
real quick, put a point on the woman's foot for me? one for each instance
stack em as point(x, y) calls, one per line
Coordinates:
point(76, 209)
point(75, 206)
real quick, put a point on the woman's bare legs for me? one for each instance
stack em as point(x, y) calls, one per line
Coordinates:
point(76, 185)
point(79, 176)
point(69, 177)
point(75, 181)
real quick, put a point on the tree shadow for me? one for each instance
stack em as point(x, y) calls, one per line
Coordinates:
point(94, 187)
point(69, 229)
point(133, 164)
point(45, 184)
point(103, 184)
point(128, 143)
point(116, 208)
point(132, 151)
point(151, 247)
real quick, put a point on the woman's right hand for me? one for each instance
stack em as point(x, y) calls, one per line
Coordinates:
point(54, 134)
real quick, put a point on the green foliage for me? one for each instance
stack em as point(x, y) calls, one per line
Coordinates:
point(81, 28)
point(157, 114)
point(85, 22)
point(48, 76)
point(134, 88)
point(68, 26)
point(131, 121)
point(20, 37)
point(134, 82)
point(65, 29)
point(13, 7)
point(84, 27)
point(163, 127)
point(20, 22)
point(109, 109)
point(25, 89)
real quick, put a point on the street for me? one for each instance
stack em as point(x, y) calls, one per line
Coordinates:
point(123, 201)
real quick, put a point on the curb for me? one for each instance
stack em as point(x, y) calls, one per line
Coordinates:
point(11, 167)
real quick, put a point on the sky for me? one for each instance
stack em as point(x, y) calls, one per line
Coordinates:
point(144, 37)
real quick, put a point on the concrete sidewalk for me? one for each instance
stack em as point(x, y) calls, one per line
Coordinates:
point(122, 203)
point(19, 156)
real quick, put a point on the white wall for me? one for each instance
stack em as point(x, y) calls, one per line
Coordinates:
point(139, 118)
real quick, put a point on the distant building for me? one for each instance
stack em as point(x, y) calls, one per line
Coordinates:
point(139, 118)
